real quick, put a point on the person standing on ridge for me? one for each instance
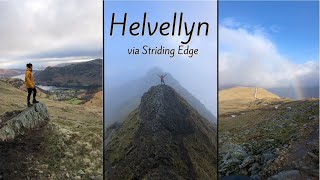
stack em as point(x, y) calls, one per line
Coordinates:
point(162, 78)
point(30, 85)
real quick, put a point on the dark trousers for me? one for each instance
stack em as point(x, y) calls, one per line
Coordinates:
point(162, 81)
point(30, 90)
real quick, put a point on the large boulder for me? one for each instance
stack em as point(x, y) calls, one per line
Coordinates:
point(15, 123)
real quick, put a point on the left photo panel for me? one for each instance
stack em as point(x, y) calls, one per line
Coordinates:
point(51, 94)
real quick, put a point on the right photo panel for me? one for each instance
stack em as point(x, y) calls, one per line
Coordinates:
point(268, 90)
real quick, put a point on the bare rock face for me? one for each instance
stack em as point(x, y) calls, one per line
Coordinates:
point(15, 123)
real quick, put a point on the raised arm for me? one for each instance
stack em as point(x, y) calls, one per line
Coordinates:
point(165, 75)
point(158, 75)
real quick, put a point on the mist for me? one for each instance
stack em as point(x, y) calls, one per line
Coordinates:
point(198, 75)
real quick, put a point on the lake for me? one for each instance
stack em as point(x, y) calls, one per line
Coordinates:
point(46, 88)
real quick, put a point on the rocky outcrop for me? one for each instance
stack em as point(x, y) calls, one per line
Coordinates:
point(15, 123)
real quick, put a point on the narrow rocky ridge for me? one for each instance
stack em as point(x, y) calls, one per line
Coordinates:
point(157, 141)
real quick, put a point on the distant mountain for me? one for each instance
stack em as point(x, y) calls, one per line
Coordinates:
point(120, 101)
point(245, 93)
point(9, 73)
point(74, 75)
point(164, 138)
point(242, 98)
point(289, 92)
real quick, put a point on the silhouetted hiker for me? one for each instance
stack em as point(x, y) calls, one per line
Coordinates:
point(162, 78)
point(30, 85)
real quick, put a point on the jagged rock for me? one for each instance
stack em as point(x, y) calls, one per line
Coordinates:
point(29, 119)
point(247, 161)
point(236, 151)
point(313, 155)
point(287, 175)
point(81, 172)
point(268, 156)
point(254, 169)
point(230, 163)
point(255, 177)
point(312, 118)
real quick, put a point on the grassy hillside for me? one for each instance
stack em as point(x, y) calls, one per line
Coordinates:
point(243, 98)
point(70, 146)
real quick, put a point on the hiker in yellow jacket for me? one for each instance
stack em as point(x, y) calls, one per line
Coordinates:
point(30, 85)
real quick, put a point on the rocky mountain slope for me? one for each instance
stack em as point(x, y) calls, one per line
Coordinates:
point(122, 100)
point(66, 147)
point(164, 138)
point(74, 75)
point(268, 138)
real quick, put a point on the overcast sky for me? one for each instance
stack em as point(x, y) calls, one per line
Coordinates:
point(49, 32)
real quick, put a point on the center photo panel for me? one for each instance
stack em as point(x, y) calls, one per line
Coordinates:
point(160, 90)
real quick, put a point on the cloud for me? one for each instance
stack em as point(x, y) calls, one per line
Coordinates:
point(248, 57)
point(34, 27)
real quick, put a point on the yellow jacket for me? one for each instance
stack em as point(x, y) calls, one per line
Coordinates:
point(29, 79)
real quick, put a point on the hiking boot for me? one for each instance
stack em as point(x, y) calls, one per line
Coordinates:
point(35, 101)
point(29, 104)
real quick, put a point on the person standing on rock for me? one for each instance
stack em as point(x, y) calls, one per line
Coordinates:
point(30, 85)
point(162, 78)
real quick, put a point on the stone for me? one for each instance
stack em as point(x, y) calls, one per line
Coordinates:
point(313, 155)
point(287, 175)
point(99, 177)
point(247, 161)
point(312, 118)
point(227, 156)
point(230, 162)
point(31, 118)
point(81, 172)
point(255, 177)
point(254, 169)
point(267, 156)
